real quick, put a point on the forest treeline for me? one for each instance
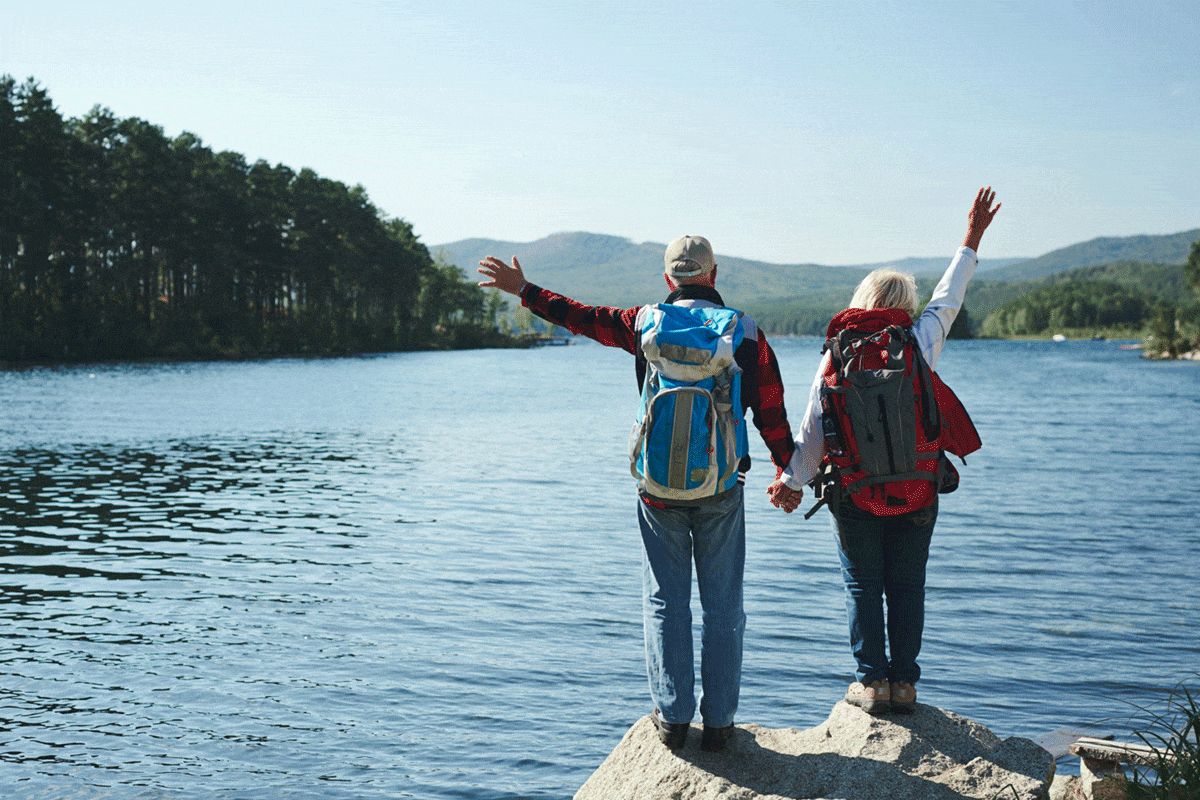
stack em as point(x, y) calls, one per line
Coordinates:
point(1157, 301)
point(1078, 304)
point(117, 242)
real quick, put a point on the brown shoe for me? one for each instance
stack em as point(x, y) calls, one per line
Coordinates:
point(874, 698)
point(904, 697)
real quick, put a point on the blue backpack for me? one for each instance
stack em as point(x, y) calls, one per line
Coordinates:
point(690, 435)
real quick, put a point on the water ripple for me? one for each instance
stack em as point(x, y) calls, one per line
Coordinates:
point(369, 578)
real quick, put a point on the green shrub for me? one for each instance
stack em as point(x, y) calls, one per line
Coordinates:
point(1173, 735)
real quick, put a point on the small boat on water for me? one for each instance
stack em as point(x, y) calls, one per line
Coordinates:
point(1058, 337)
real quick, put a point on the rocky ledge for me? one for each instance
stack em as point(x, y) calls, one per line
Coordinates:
point(928, 755)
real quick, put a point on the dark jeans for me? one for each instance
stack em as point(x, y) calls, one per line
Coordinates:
point(885, 557)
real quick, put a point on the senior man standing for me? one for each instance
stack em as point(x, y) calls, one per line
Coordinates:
point(691, 523)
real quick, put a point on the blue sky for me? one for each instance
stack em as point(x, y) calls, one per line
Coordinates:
point(826, 132)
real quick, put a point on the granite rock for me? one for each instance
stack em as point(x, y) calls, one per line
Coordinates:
point(928, 755)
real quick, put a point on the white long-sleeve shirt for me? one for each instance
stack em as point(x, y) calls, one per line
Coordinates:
point(930, 331)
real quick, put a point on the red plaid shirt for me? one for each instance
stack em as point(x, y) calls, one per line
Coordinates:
point(762, 388)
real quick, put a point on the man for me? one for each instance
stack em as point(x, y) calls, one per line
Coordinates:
point(710, 531)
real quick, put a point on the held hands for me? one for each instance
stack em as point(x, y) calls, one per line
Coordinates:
point(502, 276)
point(980, 217)
point(782, 496)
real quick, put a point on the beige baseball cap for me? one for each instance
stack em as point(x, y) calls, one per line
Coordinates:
point(689, 256)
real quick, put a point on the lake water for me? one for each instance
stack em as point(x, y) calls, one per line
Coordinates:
point(417, 575)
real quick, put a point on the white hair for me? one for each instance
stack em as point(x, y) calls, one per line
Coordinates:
point(887, 288)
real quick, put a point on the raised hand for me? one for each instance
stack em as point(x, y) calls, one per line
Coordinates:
point(502, 276)
point(980, 217)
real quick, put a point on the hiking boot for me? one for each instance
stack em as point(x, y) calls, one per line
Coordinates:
point(672, 734)
point(714, 739)
point(874, 698)
point(904, 697)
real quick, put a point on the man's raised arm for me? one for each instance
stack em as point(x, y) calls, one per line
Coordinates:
point(608, 326)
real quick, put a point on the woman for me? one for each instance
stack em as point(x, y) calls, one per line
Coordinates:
point(883, 531)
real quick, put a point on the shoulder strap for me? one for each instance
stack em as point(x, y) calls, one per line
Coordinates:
point(931, 419)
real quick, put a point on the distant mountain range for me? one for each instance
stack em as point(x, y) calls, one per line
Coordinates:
point(611, 270)
point(1167, 249)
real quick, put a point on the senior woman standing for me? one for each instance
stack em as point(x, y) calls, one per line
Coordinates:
point(884, 524)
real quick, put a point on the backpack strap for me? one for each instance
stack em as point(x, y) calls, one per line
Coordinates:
point(918, 475)
point(727, 417)
point(827, 487)
point(931, 417)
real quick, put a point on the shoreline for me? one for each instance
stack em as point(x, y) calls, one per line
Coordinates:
point(1189, 355)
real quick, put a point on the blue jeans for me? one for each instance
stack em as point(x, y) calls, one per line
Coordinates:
point(885, 556)
point(715, 537)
